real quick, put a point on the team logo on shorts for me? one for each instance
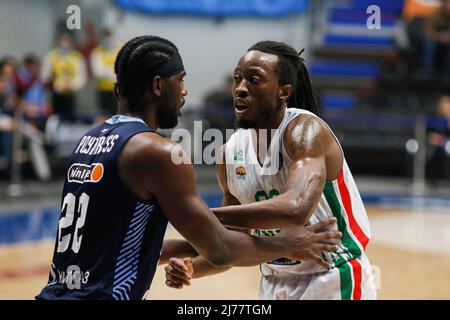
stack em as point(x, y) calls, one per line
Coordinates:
point(81, 173)
point(240, 171)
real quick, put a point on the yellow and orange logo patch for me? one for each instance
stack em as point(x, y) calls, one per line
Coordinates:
point(241, 172)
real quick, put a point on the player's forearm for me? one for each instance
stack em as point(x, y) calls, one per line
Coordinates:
point(244, 250)
point(203, 268)
point(177, 249)
point(285, 210)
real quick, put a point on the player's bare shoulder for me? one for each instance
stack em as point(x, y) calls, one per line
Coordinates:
point(146, 159)
point(307, 135)
point(151, 149)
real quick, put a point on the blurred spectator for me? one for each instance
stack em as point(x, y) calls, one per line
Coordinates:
point(31, 90)
point(8, 72)
point(8, 101)
point(438, 140)
point(218, 109)
point(102, 64)
point(64, 70)
point(87, 43)
point(416, 9)
point(5, 128)
point(437, 38)
point(415, 16)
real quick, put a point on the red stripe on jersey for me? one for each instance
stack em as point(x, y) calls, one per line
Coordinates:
point(345, 196)
point(356, 266)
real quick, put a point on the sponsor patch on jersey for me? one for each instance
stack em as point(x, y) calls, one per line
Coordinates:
point(240, 171)
point(239, 156)
point(81, 173)
point(73, 277)
point(284, 262)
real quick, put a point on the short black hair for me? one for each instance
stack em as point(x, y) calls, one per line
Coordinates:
point(292, 70)
point(134, 64)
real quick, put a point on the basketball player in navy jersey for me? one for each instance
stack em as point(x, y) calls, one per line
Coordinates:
point(122, 188)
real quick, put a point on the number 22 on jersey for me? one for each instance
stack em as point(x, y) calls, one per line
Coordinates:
point(69, 204)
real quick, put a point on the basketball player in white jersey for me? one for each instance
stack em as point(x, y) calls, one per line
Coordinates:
point(302, 179)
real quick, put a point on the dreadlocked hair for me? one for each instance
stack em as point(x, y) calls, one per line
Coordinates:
point(134, 64)
point(292, 70)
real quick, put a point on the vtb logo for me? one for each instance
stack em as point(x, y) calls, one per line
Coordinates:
point(81, 173)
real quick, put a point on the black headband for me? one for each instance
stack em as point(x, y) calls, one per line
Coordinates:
point(172, 66)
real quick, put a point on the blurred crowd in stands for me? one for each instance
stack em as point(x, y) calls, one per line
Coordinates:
point(428, 29)
point(438, 140)
point(427, 57)
point(38, 87)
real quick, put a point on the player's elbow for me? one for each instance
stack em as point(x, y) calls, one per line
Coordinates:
point(294, 212)
point(302, 203)
point(298, 213)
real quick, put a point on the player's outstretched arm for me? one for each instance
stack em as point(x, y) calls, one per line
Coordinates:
point(149, 161)
point(179, 272)
point(308, 142)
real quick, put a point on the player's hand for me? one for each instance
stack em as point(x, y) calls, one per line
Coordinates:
point(322, 227)
point(179, 272)
point(308, 243)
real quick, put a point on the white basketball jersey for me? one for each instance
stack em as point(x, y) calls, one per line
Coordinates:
point(249, 182)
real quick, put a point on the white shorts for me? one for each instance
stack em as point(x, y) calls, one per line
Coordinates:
point(354, 280)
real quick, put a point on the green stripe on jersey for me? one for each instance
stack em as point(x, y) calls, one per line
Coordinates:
point(351, 248)
point(345, 273)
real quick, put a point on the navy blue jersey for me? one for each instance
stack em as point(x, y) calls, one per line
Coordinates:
point(108, 241)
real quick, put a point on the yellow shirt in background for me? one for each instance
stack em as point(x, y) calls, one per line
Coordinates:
point(102, 63)
point(66, 70)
